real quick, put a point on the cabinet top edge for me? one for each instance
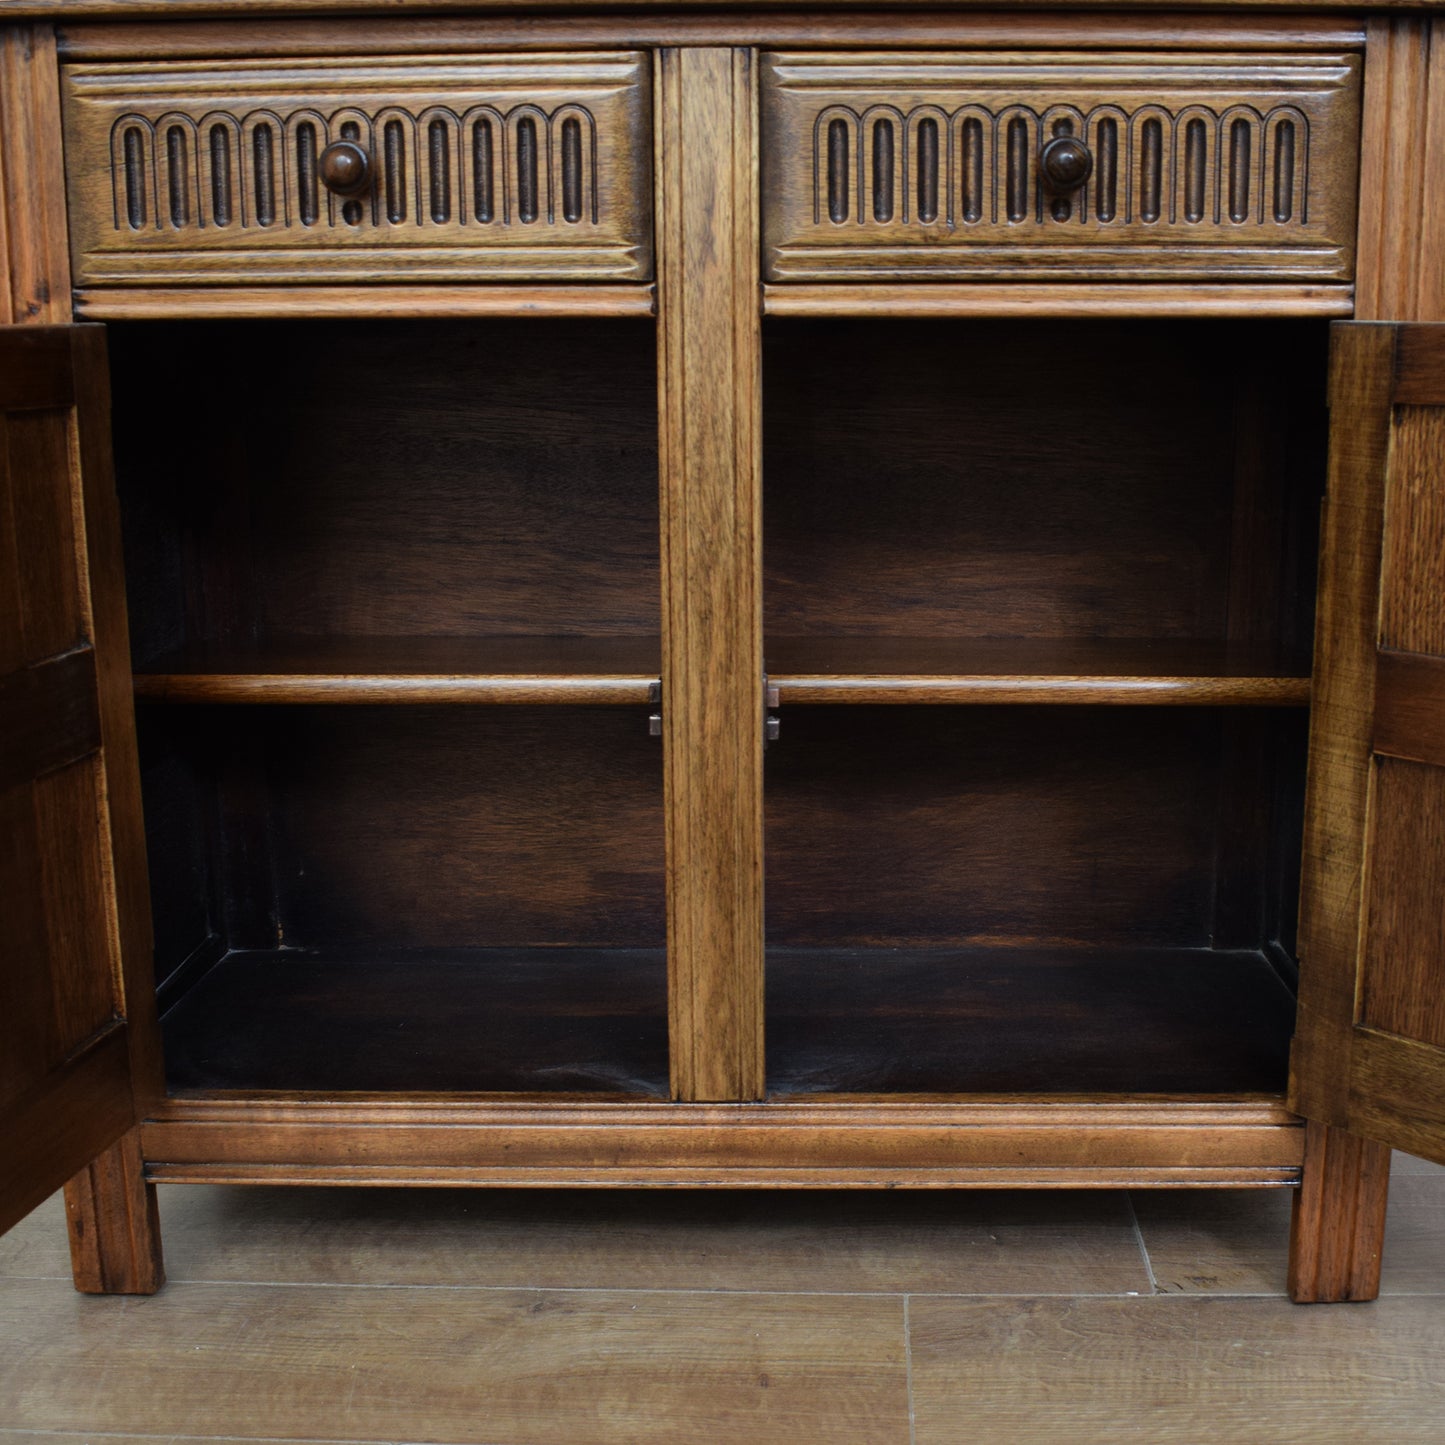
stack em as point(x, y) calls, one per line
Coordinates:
point(105, 29)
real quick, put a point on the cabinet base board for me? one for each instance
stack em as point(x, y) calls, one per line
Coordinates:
point(870, 1144)
point(1260, 1177)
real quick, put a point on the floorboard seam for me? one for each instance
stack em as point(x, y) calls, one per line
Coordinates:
point(908, 1371)
point(1143, 1248)
point(875, 1294)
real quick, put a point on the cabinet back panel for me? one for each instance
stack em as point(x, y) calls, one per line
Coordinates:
point(955, 827)
point(1042, 479)
point(372, 479)
point(415, 828)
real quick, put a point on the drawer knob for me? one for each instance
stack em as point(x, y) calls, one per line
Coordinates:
point(1066, 163)
point(345, 168)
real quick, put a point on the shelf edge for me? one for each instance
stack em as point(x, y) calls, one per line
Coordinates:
point(984, 690)
point(391, 688)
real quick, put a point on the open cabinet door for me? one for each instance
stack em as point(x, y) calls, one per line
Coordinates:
point(67, 771)
point(1369, 1051)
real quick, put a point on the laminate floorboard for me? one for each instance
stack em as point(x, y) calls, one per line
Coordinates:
point(347, 1317)
point(474, 1367)
point(980, 1243)
point(1230, 1242)
point(1188, 1369)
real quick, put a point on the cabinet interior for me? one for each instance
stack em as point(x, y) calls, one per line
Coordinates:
point(1048, 898)
point(1061, 897)
point(404, 897)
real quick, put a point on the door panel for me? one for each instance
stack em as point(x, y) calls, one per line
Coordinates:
point(65, 1090)
point(1370, 1051)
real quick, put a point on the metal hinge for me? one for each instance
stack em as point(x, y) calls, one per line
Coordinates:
point(772, 726)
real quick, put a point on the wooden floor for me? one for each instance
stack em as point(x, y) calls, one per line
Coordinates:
point(569, 1319)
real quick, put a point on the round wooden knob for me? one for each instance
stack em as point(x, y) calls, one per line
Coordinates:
point(345, 168)
point(1066, 163)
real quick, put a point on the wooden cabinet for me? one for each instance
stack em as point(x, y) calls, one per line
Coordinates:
point(711, 610)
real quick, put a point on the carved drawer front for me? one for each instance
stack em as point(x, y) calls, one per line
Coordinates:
point(928, 166)
point(485, 169)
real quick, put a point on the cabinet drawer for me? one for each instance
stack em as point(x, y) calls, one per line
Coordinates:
point(481, 169)
point(927, 166)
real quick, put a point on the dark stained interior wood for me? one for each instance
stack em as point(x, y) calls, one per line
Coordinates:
point(1026, 1020)
point(387, 479)
point(1054, 827)
point(1041, 479)
point(549, 1020)
point(399, 829)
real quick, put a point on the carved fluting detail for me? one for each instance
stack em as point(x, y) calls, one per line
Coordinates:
point(1179, 166)
point(477, 167)
point(487, 167)
point(970, 166)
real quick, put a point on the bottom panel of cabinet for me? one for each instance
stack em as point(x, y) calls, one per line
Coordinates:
point(569, 1020)
point(1026, 1021)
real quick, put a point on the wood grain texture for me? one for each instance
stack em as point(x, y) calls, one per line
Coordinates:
point(496, 670)
point(1055, 298)
point(1338, 1224)
point(1412, 612)
point(1341, 719)
point(433, 34)
point(1403, 947)
point(403, 828)
point(405, 484)
point(1003, 827)
point(484, 168)
point(1175, 1367)
point(912, 490)
point(201, 303)
point(853, 1242)
point(1402, 148)
point(1067, 1143)
point(34, 254)
point(68, 1116)
point(1410, 707)
point(114, 1224)
point(121, 839)
point(896, 166)
point(709, 401)
point(48, 716)
point(68, 1056)
point(984, 671)
point(203, 8)
point(1235, 1243)
point(538, 1021)
point(1025, 1021)
point(526, 1366)
point(1398, 1091)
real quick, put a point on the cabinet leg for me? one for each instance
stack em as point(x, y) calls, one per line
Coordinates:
point(115, 1230)
point(1338, 1230)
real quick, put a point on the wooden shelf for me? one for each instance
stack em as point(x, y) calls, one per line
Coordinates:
point(575, 670)
point(1026, 1021)
point(534, 1020)
point(1033, 670)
